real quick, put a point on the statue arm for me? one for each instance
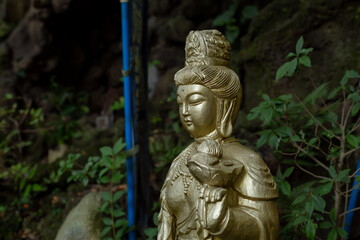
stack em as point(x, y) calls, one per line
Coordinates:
point(243, 222)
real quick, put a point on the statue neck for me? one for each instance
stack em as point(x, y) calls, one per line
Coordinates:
point(214, 135)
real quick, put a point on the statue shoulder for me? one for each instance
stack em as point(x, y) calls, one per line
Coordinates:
point(257, 181)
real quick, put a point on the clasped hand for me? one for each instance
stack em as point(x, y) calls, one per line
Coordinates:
point(212, 207)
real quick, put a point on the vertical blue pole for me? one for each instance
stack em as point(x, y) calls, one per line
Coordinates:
point(352, 203)
point(128, 116)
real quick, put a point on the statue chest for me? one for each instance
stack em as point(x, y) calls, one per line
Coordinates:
point(182, 194)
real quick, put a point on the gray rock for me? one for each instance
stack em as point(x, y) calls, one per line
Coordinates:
point(84, 221)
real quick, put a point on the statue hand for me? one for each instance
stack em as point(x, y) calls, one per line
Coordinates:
point(212, 207)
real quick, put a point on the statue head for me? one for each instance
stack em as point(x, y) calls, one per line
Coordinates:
point(206, 66)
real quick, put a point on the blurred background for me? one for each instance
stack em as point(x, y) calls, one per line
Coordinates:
point(61, 104)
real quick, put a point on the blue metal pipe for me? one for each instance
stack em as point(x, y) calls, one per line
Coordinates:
point(352, 202)
point(129, 139)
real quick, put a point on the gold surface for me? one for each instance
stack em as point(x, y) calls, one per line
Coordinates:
point(216, 188)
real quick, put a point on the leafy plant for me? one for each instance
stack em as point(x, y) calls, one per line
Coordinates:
point(151, 232)
point(69, 107)
point(228, 19)
point(107, 169)
point(17, 116)
point(316, 132)
point(300, 57)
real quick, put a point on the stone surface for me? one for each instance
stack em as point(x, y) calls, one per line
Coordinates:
point(327, 26)
point(84, 221)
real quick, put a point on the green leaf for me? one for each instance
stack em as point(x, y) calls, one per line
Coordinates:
point(27, 191)
point(106, 151)
point(105, 231)
point(285, 188)
point(355, 109)
point(316, 94)
point(32, 172)
point(344, 80)
point(264, 136)
point(118, 195)
point(105, 179)
point(319, 203)
point(309, 207)
point(292, 67)
point(104, 207)
point(291, 54)
point(343, 176)
point(326, 188)
point(106, 195)
point(352, 74)
point(150, 233)
point(121, 222)
point(103, 171)
point(332, 235)
point(107, 221)
point(333, 93)
point(22, 184)
point(326, 225)
point(266, 97)
point(225, 17)
point(342, 233)
point(118, 161)
point(305, 60)
point(306, 51)
point(299, 199)
point(119, 213)
point(107, 161)
point(282, 71)
point(273, 141)
point(119, 146)
point(37, 188)
point(352, 140)
point(332, 171)
point(8, 96)
point(117, 177)
point(332, 215)
point(299, 45)
point(156, 218)
point(299, 220)
point(288, 172)
point(311, 229)
point(312, 141)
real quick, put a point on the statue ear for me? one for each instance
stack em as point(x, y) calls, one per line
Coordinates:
point(225, 126)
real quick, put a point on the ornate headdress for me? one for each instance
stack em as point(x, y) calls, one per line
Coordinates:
point(207, 47)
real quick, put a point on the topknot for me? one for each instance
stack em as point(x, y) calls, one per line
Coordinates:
point(207, 47)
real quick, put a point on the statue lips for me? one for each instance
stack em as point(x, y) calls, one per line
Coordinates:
point(188, 122)
point(213, 171)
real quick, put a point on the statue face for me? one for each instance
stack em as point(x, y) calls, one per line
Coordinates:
point(197, 109)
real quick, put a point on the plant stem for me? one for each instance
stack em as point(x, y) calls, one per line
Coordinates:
point(111, 199)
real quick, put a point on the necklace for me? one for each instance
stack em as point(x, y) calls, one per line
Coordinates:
point(187, 178)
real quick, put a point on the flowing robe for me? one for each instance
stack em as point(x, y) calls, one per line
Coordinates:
point(251, 200)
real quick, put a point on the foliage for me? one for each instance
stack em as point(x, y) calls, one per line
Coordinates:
point(107, 170)
point(151, 232)
point(300, 58)
point(315, 132)
point(228, 19)
point(17, 116)
point(69, 107)
point(118, 104)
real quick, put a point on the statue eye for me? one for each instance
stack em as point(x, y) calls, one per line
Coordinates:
point(196, 99)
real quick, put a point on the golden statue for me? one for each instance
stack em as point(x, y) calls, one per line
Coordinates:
point(216, 188)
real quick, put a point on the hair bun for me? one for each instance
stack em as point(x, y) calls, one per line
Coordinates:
point(207, 47)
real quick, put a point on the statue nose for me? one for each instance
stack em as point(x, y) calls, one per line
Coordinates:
point(185, 110)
